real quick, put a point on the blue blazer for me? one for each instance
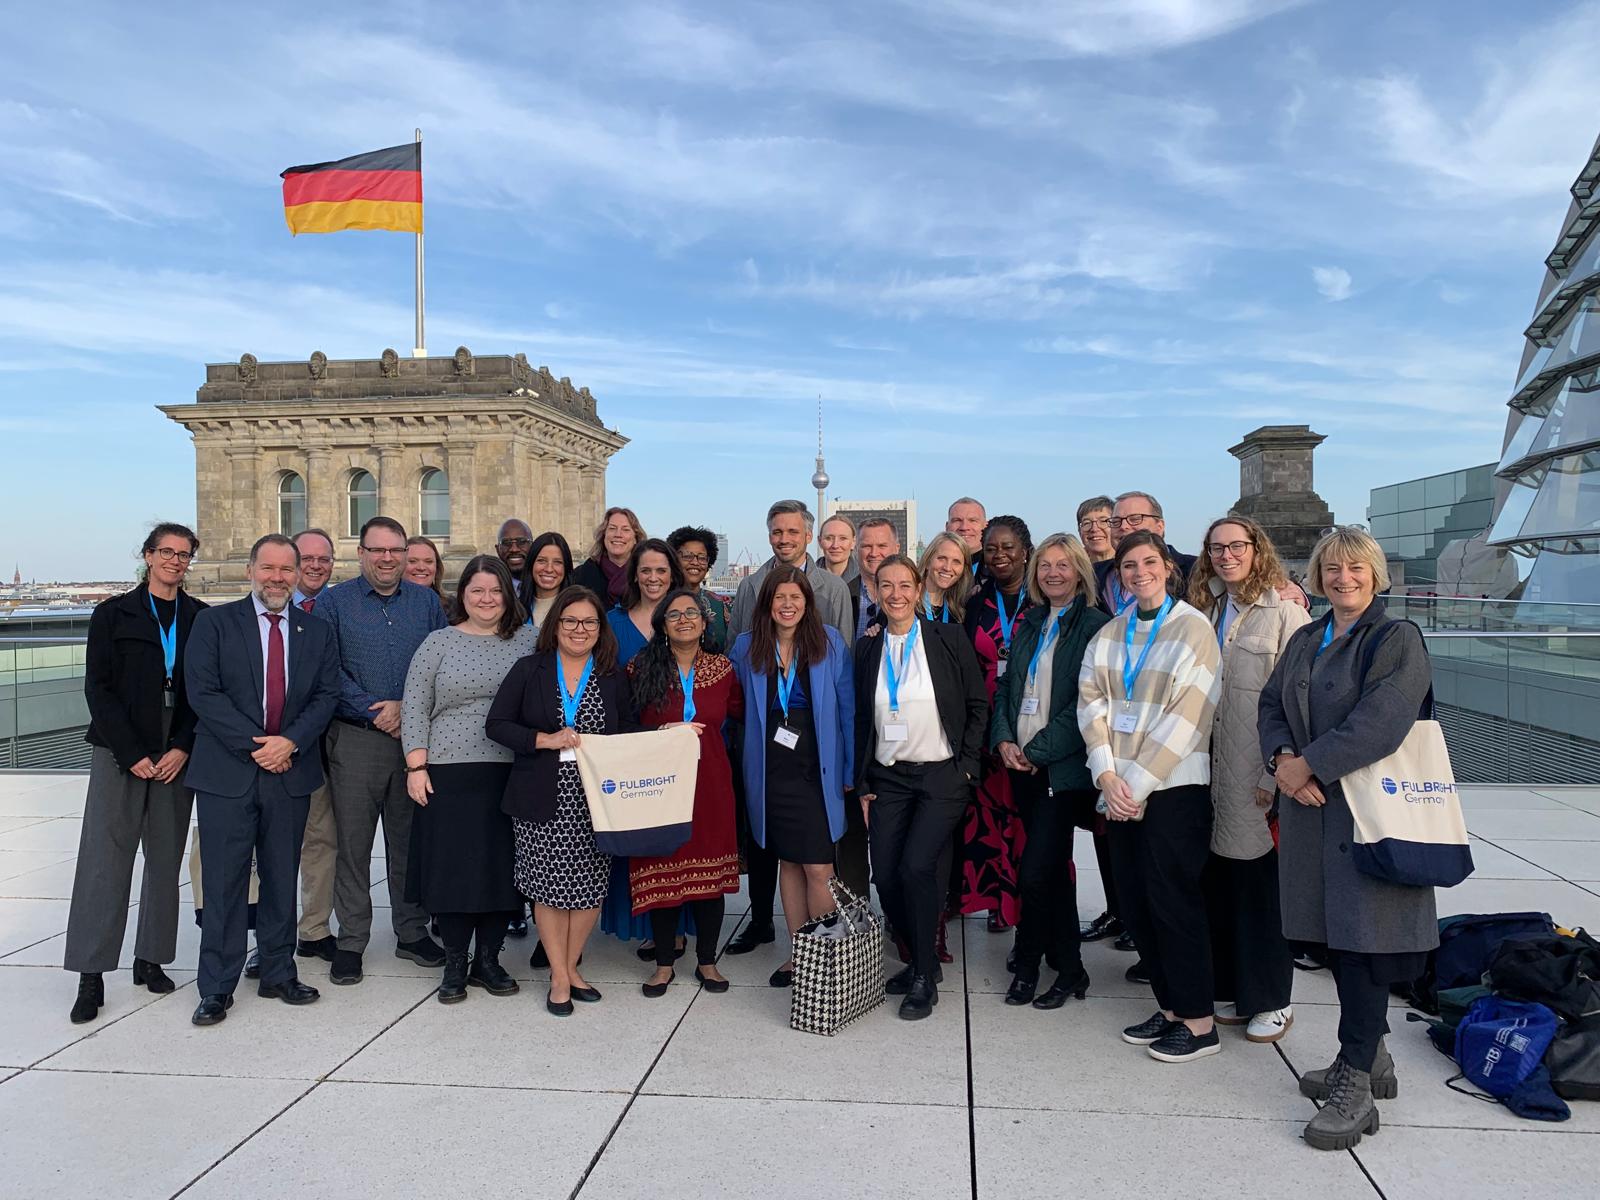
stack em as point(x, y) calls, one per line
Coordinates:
point(830, 685)
point(223, 675)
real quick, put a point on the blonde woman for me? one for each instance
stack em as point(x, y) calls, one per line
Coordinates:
point(1235, 584)
point(946, 569)
point(605, 571)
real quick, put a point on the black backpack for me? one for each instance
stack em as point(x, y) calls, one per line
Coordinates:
point(1466, 943)
point(1563, 974)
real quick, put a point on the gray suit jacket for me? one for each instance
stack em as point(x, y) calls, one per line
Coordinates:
point(1313, 704)
point(833, 599)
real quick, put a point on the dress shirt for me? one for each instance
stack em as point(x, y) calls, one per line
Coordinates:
point(375, 637)
point(300, 599)
point(264, 628)
point(919, 709)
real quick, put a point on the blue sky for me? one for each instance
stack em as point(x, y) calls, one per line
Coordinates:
point(1030, 250)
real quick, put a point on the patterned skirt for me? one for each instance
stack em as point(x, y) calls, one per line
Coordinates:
point(557, 863)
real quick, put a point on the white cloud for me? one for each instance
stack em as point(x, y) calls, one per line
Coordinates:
point(1332, 282)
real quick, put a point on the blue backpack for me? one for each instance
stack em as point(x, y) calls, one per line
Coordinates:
point(1499, 1043)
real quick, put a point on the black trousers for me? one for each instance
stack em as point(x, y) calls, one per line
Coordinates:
point(457, 930)
point(1363, 983)
point(270, 824)
point(666, 922)
point(1158, 862)
point(1250, 957)
point(1108, 877)
point(917, 809)
point(1045, 877)
point(850, 853)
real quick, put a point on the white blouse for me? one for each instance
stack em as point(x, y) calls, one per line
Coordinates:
point(919, 709)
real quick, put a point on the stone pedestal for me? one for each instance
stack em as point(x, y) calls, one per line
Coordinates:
point(1275, 489)
point(512, 440)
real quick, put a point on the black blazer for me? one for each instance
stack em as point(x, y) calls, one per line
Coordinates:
point(125, 673)
point(588, 574)
point(224, 675)
point(957, 688)
point(527, 705)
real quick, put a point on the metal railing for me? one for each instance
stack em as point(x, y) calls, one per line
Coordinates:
point(1517, 691)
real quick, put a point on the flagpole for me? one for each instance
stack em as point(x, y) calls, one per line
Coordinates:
point(420, 347)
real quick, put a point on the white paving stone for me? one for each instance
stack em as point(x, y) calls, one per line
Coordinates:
point(1576, 861)
point(36, 1001)
point(1533, 1162)
point(26, 922)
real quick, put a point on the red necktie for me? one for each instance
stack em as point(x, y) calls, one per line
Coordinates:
point(275, 675)
point(308, 602)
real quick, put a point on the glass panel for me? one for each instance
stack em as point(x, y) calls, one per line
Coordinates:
point(1578, 338)
point(1522, 439)
point(1574, 418)
point(1414, 521)
point(1474, 515)
point(1568, 499)
point(1508, 525)
point(1409, 495)
point(291, 503)
point(435, 504)
point(363, 494)
point(1384, 500)
point(1440, 489)
point(1384, 526)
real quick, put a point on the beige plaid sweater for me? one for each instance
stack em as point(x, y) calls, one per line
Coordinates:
point(1174, 700)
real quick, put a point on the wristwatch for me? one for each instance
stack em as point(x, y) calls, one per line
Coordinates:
point(1272, 763)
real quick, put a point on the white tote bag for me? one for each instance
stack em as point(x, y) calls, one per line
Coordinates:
point(1409, 825)
point(640, 788)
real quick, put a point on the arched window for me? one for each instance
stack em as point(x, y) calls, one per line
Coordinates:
point(363, 497)
point(435, 508)
point(291, 504)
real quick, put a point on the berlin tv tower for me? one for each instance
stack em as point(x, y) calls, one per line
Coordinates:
point(819, 479)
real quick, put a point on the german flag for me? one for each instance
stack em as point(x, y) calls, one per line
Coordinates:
point(380, 190)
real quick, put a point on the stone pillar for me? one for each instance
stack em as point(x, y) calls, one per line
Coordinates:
point(392, 498)
point(547, 475)
point(571, 502)
point(461, 466)
point(1275, 488)
point(323, 492)
point(244, 464)
point(589, 489)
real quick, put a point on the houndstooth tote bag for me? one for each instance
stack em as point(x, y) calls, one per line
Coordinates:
point(838, 966)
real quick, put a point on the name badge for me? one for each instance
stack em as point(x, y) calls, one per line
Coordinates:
point(1030, 706)
point(169, 698)
point(896, 731)
point(1125, 722)
point(999, 668)
point(569, 755)
point(786, 737)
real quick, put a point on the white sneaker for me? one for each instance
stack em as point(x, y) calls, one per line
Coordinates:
point(1228, 1014)
point(1270, 1026)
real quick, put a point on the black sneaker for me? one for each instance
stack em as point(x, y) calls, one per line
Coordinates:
point(425, 952)
point(1180, 1044)
point(1138, 973)
point(346, 967)
point(1103, 926)
point(1148, 1031)
point(322, 947)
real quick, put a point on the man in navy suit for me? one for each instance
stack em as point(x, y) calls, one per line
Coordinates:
point(263, 678)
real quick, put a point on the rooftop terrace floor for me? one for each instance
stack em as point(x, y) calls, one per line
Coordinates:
point(379, 1090)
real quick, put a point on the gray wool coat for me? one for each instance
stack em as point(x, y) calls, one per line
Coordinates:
point(1312, 703)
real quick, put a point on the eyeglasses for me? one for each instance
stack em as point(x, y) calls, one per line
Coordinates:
point(1352, 527)
point(586, 624)
point(516, 543)
point(683, 616)
point(307, 561)
point(168, 554)
point(385, 551)
point(698, 560)
point(1132, 520)
point(1095, 523)
point(1237, 549)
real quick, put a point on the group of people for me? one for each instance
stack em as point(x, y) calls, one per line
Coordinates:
point(939, 727)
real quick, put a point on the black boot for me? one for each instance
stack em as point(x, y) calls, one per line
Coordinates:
point(91, 996)
point(487, 973)
point(453, 987)
point(151, 975)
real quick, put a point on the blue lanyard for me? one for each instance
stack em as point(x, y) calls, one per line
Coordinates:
point(1045, 642)
point(944, 611)
point(169, 635)
point(890, 676)
point(570, 700)
point(785, 682)
point(1006, 622)
point(1327, 639)
point(688, 693)
point(1116, 590)
point(1130, 668)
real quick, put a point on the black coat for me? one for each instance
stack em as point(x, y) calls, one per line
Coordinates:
point(527, 705)
point(226, 685)
point(957, 688)
point(1058, 747)
point(124, 675)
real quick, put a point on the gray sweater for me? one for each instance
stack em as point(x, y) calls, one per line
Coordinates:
point(452, 681)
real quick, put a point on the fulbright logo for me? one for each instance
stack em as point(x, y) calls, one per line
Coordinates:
point(1419, 791)
point(608, 786)
point(1389, 785)
point(649, 788)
